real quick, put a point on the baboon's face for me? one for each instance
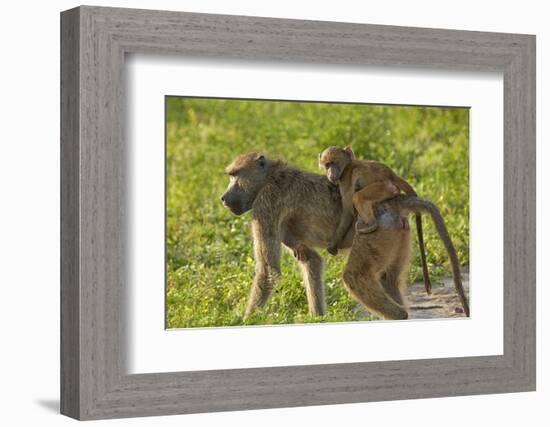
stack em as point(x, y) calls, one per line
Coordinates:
point(247, 175)
point(333, 161)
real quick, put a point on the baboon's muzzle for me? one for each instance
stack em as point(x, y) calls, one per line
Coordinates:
point(334, 174)
point(233, 204)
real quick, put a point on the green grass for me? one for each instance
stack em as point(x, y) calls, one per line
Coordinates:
point(210, 261)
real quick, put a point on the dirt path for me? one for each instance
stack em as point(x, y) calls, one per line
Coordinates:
point(443, 302)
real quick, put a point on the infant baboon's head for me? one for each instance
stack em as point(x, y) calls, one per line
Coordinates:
point(334, 160)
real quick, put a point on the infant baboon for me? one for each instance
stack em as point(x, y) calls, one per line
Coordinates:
point(362, 183)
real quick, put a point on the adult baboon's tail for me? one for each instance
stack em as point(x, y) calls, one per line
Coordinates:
point(417, 206)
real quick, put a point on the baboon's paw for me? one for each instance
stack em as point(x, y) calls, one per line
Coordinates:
point(333, 250)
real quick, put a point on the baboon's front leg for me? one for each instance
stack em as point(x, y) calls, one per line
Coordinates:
point(267, 252)
point(311, 266)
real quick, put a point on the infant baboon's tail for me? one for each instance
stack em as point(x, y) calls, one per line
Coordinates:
point(408, 190)
point(423, 261)
point(417, 206)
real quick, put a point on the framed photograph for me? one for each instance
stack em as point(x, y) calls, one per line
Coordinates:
point(260, 213)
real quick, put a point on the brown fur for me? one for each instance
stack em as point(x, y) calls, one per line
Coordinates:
point(362, 183)
point(301, 210)
point(289, 206)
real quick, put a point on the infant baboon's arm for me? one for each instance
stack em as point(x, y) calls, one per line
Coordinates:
point(346, 219)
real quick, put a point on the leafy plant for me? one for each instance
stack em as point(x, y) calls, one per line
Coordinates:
point(209, 251)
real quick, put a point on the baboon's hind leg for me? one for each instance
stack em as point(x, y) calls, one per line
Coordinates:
point(368, 290)
point(394, 283)
point(362, 280)
point(389, 284)
point(394, 279)
point(363, 202)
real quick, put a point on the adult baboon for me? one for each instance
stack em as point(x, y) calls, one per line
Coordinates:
point(302, 210)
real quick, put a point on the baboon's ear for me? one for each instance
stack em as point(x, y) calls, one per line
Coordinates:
point(261, 160)
point(349, 150)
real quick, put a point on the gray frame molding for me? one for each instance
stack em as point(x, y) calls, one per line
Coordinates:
point(94, 383)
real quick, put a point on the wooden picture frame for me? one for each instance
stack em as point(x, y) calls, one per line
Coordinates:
point(94, 41)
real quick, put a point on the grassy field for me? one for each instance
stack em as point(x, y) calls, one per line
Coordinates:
point(209, 259)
